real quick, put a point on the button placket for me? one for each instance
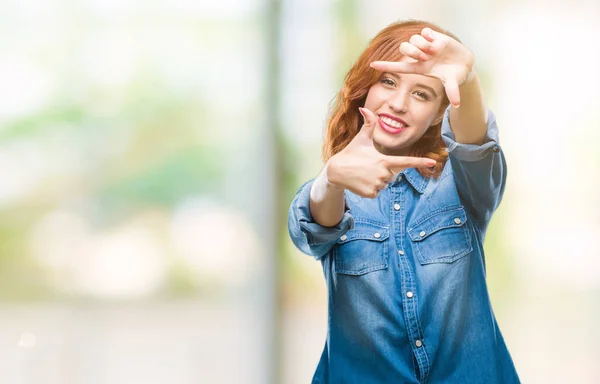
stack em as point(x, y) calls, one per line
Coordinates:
point(408, 284)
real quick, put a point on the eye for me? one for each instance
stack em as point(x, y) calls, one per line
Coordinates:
point(422, 95)
point(387, 81)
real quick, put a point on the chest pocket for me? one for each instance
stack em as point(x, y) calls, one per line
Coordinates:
point(442, 237)
point(362, 249)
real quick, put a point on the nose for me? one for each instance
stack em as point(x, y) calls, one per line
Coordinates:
point(397, 101)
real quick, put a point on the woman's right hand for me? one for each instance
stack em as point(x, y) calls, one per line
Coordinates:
point(362, 169)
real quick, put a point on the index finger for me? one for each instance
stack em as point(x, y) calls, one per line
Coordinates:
point(399, 66)
point(398, 163)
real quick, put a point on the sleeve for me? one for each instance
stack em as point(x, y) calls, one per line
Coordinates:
point(308, 236)
point(479, 170)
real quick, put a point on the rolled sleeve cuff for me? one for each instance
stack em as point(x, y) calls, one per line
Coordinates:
point(317, 234)
point(470, 152)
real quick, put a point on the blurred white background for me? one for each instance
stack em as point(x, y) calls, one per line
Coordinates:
point(149, 151)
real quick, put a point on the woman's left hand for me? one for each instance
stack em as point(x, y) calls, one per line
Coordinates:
point(436, 55)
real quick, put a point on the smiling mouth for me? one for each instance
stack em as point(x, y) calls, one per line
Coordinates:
point(391, 125)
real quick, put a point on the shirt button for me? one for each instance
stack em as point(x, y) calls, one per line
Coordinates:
point(457, 220)
point(496, 149)
point(399, 178)
point(409, 294)
point(343, 238)
point(422, 233)
point(401, 252)
point(377, 235)
point(397, 207)
point(419, 343)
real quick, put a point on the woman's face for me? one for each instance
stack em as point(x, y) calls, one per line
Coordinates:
point(407, 105)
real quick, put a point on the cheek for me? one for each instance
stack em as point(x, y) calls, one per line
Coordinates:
point(374, 98)
point(424, 122)
point(430, 115)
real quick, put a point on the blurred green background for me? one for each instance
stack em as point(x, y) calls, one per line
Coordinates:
point(149, 152)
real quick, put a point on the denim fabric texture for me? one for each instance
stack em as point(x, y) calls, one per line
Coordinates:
point(405, 274)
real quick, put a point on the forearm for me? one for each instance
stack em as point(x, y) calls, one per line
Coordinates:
point(327, 204)
point(469, 121)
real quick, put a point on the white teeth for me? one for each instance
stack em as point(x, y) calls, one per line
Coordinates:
point(392, 123)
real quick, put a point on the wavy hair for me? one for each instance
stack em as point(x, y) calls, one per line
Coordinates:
point(345, 119)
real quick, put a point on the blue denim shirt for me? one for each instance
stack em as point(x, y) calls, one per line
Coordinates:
point(405, 274)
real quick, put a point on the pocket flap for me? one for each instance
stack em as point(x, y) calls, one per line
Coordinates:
point(428, 225)
point(362, 249)
point(365, 230)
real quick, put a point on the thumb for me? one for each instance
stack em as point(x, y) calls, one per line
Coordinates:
point(370, 119)
point(453, 93)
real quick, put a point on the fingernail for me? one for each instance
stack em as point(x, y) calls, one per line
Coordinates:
point(362, 112)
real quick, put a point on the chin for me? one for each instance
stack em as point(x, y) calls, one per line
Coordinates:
point(389, 148)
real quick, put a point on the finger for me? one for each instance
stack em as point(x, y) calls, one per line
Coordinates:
point(453, 93)
point(370, 193)
point(393, 176)
point(399, 66)
point(382, 186)
point(411, 51)
point(429, 33)
point(369, 122)
point(399, 163)
point(385, 175)
point(423, 44)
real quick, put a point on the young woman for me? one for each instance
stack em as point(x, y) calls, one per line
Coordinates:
point(398, 216)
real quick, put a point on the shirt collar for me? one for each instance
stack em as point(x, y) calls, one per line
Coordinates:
point(415, 179)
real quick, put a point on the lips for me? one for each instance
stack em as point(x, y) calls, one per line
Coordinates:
point(391, 124)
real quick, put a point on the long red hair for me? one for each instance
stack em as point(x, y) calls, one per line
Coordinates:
point(345, 119)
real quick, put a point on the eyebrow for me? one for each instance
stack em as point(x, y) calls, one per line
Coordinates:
point(397, 76)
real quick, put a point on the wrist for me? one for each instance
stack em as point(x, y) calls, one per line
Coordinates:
point(471, 67)
point(329, 177)
point(471, 76)
point(470, 84)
